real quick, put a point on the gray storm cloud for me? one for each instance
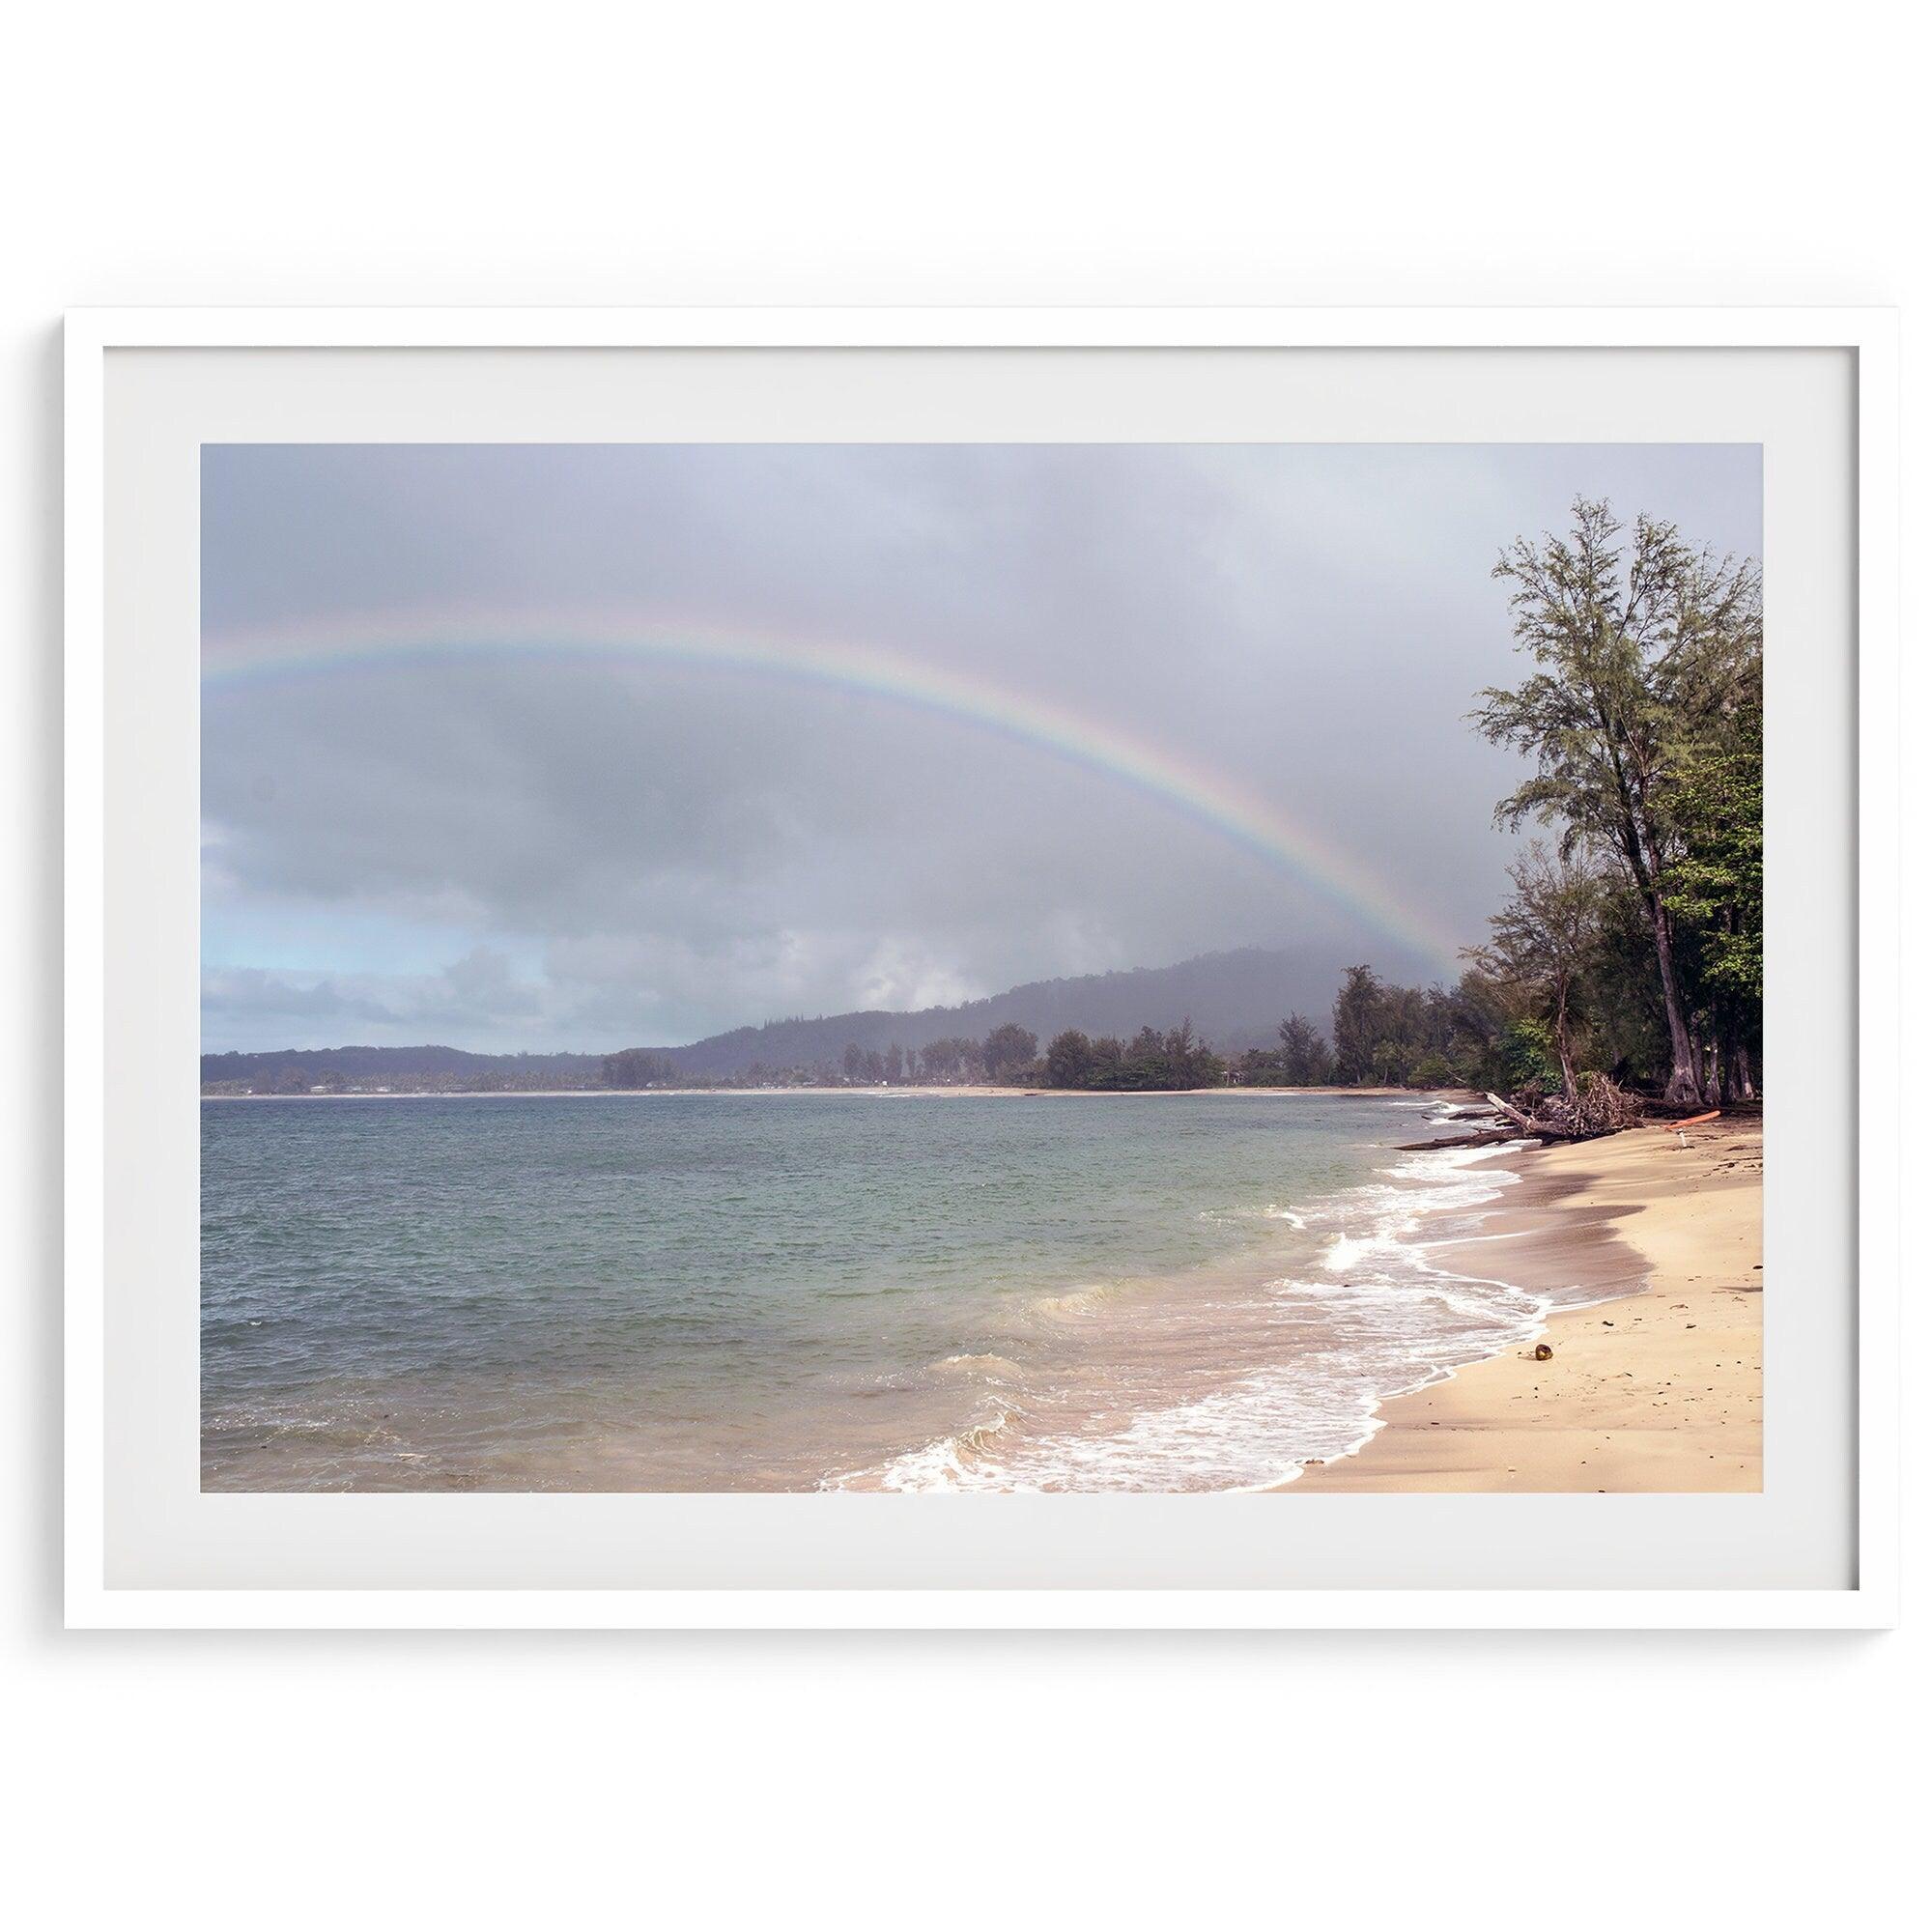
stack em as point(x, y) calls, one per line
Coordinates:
point(552, 852)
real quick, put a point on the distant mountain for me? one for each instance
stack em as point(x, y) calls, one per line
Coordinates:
point(1235, 1000)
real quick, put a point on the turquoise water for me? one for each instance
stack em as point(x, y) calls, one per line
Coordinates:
point(704, 1291)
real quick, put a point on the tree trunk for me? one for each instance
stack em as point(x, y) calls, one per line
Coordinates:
point(1740, 1082)
point(1684, 1086)
point(1563, 1044)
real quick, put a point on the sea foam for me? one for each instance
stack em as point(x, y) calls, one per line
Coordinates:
point(1366, 1317)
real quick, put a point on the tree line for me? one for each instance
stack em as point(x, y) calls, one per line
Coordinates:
point(1152, 1062)
point(1009, 1055)
point(1003, 1057)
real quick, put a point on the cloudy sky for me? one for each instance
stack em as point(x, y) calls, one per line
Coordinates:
point(408, 838)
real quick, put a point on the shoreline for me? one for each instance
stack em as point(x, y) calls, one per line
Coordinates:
point(1652, 1386)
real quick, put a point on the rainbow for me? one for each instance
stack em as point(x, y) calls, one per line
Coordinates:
point(240, 661)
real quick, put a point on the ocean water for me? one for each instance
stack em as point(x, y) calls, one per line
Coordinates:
point(798, 1291)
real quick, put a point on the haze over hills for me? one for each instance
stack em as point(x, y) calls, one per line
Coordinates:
point(1235, 1000)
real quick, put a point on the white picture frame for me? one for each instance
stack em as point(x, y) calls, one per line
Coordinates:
point(1868, 1600)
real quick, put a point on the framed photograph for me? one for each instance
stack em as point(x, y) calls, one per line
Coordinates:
point(980, 968)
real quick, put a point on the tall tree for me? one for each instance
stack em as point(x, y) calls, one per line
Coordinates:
point(1544, 938)
point(1069, 1060)
point(1358, 1025)
point(1642, 648)
point(1304, 1054)
point(1007, 1048)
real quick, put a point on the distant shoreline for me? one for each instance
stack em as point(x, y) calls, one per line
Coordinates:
point(883, 1093)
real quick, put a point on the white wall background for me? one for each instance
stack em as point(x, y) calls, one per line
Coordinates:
point(204, 153)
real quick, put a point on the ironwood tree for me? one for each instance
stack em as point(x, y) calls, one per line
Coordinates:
point(1303, 1058)
point(1645, 650)
point(1544, 939)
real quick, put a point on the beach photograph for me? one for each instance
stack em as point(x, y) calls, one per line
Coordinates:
point(1024, 967)
point(959, 823)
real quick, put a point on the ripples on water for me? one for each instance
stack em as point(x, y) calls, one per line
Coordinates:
point(796, 1292)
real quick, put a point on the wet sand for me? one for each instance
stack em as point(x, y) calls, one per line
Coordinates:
point(1660, 1390)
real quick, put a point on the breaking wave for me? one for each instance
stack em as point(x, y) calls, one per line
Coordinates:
point(1358, 1314)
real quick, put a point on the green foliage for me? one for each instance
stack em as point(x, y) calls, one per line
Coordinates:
point(1543, 941)
point(1152, 1062)
point(1008, 1051)
point(1641, 648)
point(1713, 885)
point(1402, 1035)
point(1389, 1062)
point(1303, 1059)
point(1356, 1026)
point(1528, 1056)
point(1069, 1060)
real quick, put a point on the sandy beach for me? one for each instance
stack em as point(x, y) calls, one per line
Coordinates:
point(1658, 1390)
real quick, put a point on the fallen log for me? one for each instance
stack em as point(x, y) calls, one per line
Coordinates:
point(1543, 1130)
point(1488, 1137)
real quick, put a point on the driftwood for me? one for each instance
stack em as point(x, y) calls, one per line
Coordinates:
point(1487, 1137)
point(1543, 1130)
point(1599, 1107)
